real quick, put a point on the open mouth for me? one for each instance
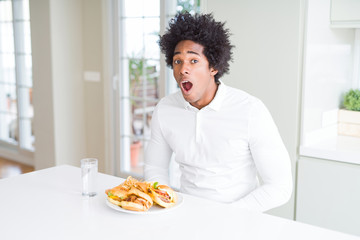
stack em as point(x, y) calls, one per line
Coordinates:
point(186, 85)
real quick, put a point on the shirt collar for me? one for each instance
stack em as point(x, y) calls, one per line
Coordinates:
point(215, 104)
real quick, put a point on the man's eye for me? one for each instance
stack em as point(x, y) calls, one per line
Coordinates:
point(194, 61)
point(177, 61)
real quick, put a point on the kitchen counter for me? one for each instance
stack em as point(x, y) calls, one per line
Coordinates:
point(337, 148)
point(47, 204)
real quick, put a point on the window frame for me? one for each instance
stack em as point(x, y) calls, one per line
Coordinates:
point(18, 151)
point(166, 86)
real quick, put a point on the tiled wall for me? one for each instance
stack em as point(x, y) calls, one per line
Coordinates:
point(328, 72)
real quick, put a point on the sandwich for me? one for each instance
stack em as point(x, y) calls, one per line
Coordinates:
point(116, 195)
point(136, 200)
point(140, 196)
point(130, 195)
point(128, 183)
point(162, 195)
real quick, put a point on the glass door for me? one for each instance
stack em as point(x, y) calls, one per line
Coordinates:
point(16, 109)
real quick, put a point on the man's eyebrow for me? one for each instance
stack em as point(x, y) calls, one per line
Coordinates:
point(191, 52)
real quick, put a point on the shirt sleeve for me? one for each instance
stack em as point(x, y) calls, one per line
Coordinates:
point(272, 162)
point(157, 154)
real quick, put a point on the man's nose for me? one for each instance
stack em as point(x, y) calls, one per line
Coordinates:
point(184, 69)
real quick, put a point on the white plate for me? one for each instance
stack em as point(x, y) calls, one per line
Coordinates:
point(153, 210)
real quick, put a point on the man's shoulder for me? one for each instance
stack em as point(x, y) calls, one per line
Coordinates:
point(171, 100)
point(243, 101)
point(238, 95)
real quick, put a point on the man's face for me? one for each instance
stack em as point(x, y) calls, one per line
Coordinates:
point(192, 73)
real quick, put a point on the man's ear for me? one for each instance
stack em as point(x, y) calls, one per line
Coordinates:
point(213, 71)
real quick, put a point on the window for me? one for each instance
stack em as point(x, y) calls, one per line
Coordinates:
point(142, 74)
point(16, 111)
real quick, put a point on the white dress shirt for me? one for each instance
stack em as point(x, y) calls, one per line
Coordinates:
point(220, 150)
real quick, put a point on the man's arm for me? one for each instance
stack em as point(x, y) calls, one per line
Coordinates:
point(271, 160)
point(158, 153)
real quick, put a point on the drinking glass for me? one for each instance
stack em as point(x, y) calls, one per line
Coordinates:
point(89, 170)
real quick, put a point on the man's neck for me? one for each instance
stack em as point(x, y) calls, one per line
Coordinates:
point(206, 101)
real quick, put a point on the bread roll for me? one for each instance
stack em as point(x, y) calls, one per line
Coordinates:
point(163, 195)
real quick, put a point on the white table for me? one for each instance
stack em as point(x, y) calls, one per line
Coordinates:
point(47, 204)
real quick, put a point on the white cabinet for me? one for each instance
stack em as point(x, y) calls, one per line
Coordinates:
point(328, 194)
point(345, 13)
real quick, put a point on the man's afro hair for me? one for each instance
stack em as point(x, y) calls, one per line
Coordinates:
point(204, 30)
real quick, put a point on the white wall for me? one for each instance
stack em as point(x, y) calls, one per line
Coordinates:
point(267, 60)
point(94, 108)
point(42, 84)
point(66, 32)
point(69, 112)
point(58, 87)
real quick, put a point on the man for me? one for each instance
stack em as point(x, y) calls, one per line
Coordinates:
point(222, 137)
